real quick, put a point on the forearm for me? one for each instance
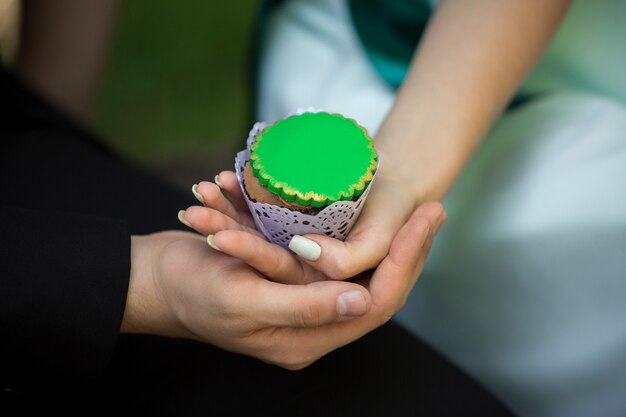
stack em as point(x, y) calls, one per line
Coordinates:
point(63, 47)
point(473, 57)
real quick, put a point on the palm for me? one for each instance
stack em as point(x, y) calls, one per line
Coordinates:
point(224, 301)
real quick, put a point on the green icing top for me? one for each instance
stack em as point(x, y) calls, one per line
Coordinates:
point(314, 158)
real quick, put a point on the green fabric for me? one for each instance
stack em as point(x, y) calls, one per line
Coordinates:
point(586, 55)
point(390, 32)
point(314, 159)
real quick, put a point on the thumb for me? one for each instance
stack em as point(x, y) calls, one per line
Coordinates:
point(311, 305)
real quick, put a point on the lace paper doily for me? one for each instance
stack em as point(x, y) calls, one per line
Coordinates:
point(280, 224)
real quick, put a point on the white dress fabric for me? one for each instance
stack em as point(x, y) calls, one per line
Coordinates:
point(525, 287)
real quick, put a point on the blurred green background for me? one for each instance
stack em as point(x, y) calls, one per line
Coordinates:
point(176, 92)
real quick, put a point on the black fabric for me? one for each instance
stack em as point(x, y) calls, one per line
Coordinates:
point(386, 373)
point(67, 217)
point(68, 207)
point(64, 280)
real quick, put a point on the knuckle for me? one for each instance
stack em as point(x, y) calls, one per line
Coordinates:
point(342, 268)
point(235, 318)
point(276, 263)
point(308, 315)
point(236, 322)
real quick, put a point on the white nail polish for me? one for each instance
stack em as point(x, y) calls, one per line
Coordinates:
point(194, 190)
point(217, 181)
point(306, 248)
point(182, 219)
point(210, 239)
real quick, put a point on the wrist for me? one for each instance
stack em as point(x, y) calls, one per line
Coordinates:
point(427, 160)
point(411, 176)
point(145, 311)
point(134, 312)
point(153, 303)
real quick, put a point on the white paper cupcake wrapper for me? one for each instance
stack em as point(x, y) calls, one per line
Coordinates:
point(280, 224)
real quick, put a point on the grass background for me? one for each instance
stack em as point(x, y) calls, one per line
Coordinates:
point(176, 87)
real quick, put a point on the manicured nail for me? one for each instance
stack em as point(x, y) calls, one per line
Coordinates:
point(182, 219)
point(194, 190)
point(351, 303)
point(305, 247)
point(210, 239)
point(217, 181)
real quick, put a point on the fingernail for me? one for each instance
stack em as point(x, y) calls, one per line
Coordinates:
point(351, 303)
point(305, 247)
point(217, 181)
point(211, 241)
point(194, 190)
point(182, 219)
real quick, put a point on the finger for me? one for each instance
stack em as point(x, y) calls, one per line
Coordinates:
point(208, 221)
point(398, 272)
point(366, 245)
point(363, 249)
point(338, 259)
point(312, 305)
point(227, 181)
point(271, 260)
point(391, 281)
point(212, 197)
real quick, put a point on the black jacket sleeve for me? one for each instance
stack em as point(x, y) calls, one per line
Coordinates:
point(68, 206)
point(63, 284)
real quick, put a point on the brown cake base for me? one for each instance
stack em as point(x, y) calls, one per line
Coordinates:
point(261, 194)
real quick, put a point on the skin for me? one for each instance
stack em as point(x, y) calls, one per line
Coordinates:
point(181, 288)
point(178, 287)
point(261, 300)
point(473, 57)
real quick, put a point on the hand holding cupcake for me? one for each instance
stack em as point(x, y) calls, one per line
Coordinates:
point(277, 194)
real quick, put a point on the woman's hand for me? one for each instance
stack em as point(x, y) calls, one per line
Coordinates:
point(181, 288)
point(469, 62)
point(228, 225)
point(389, 205)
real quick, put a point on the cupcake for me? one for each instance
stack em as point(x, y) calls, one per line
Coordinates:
point(308, 173)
